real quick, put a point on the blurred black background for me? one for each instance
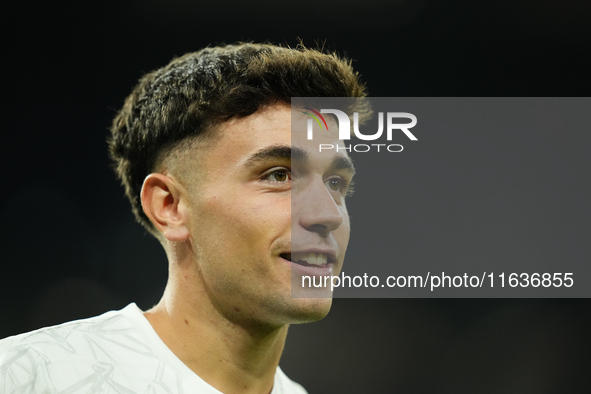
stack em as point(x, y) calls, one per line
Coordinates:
point(70, 246)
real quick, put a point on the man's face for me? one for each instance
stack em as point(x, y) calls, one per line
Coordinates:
point(245, 241)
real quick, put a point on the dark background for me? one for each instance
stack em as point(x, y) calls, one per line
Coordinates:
point(71, 249)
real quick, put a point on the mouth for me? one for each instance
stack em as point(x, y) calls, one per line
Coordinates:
point(314, 260)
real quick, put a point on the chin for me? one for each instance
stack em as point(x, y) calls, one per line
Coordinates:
point(308, 310)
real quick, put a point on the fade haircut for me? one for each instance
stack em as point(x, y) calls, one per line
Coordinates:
point(193, 93)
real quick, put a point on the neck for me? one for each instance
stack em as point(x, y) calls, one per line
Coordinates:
point(229, 352)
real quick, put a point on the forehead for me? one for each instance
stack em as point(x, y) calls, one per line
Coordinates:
point(240, 138)
point(324, 129)
point(269, 126)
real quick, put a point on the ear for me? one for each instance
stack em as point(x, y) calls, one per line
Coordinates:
point(163, 201)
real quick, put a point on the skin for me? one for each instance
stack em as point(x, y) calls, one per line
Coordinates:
point(228, 304)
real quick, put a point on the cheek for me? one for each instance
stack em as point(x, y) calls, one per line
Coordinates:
point(256, 218)
point(343, 233)
point(346, 226)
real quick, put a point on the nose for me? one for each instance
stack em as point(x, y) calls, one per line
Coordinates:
point(318, 210)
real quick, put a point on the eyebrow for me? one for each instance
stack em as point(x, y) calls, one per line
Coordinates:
point(286, 152)
point(343, 163)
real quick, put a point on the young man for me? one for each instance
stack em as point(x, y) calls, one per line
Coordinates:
point(203, 147)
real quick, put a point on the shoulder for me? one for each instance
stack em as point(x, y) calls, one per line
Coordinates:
point(68, 336)
point(284, 385)
point(54, 357)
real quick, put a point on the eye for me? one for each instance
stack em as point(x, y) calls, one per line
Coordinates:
point(340, 185)
point(280, 175)
point(335, 184)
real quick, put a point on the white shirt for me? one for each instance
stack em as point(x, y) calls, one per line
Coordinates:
point(116, 352)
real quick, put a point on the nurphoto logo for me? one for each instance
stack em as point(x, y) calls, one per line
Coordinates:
point(344, 123)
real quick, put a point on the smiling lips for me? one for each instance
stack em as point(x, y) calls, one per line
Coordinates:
point(307, 259)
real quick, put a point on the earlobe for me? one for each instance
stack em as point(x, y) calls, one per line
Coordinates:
point(163, 203)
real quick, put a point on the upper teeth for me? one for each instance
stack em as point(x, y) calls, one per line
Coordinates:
point(311, 258)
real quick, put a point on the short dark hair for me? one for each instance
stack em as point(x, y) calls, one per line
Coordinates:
point(199, 90)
